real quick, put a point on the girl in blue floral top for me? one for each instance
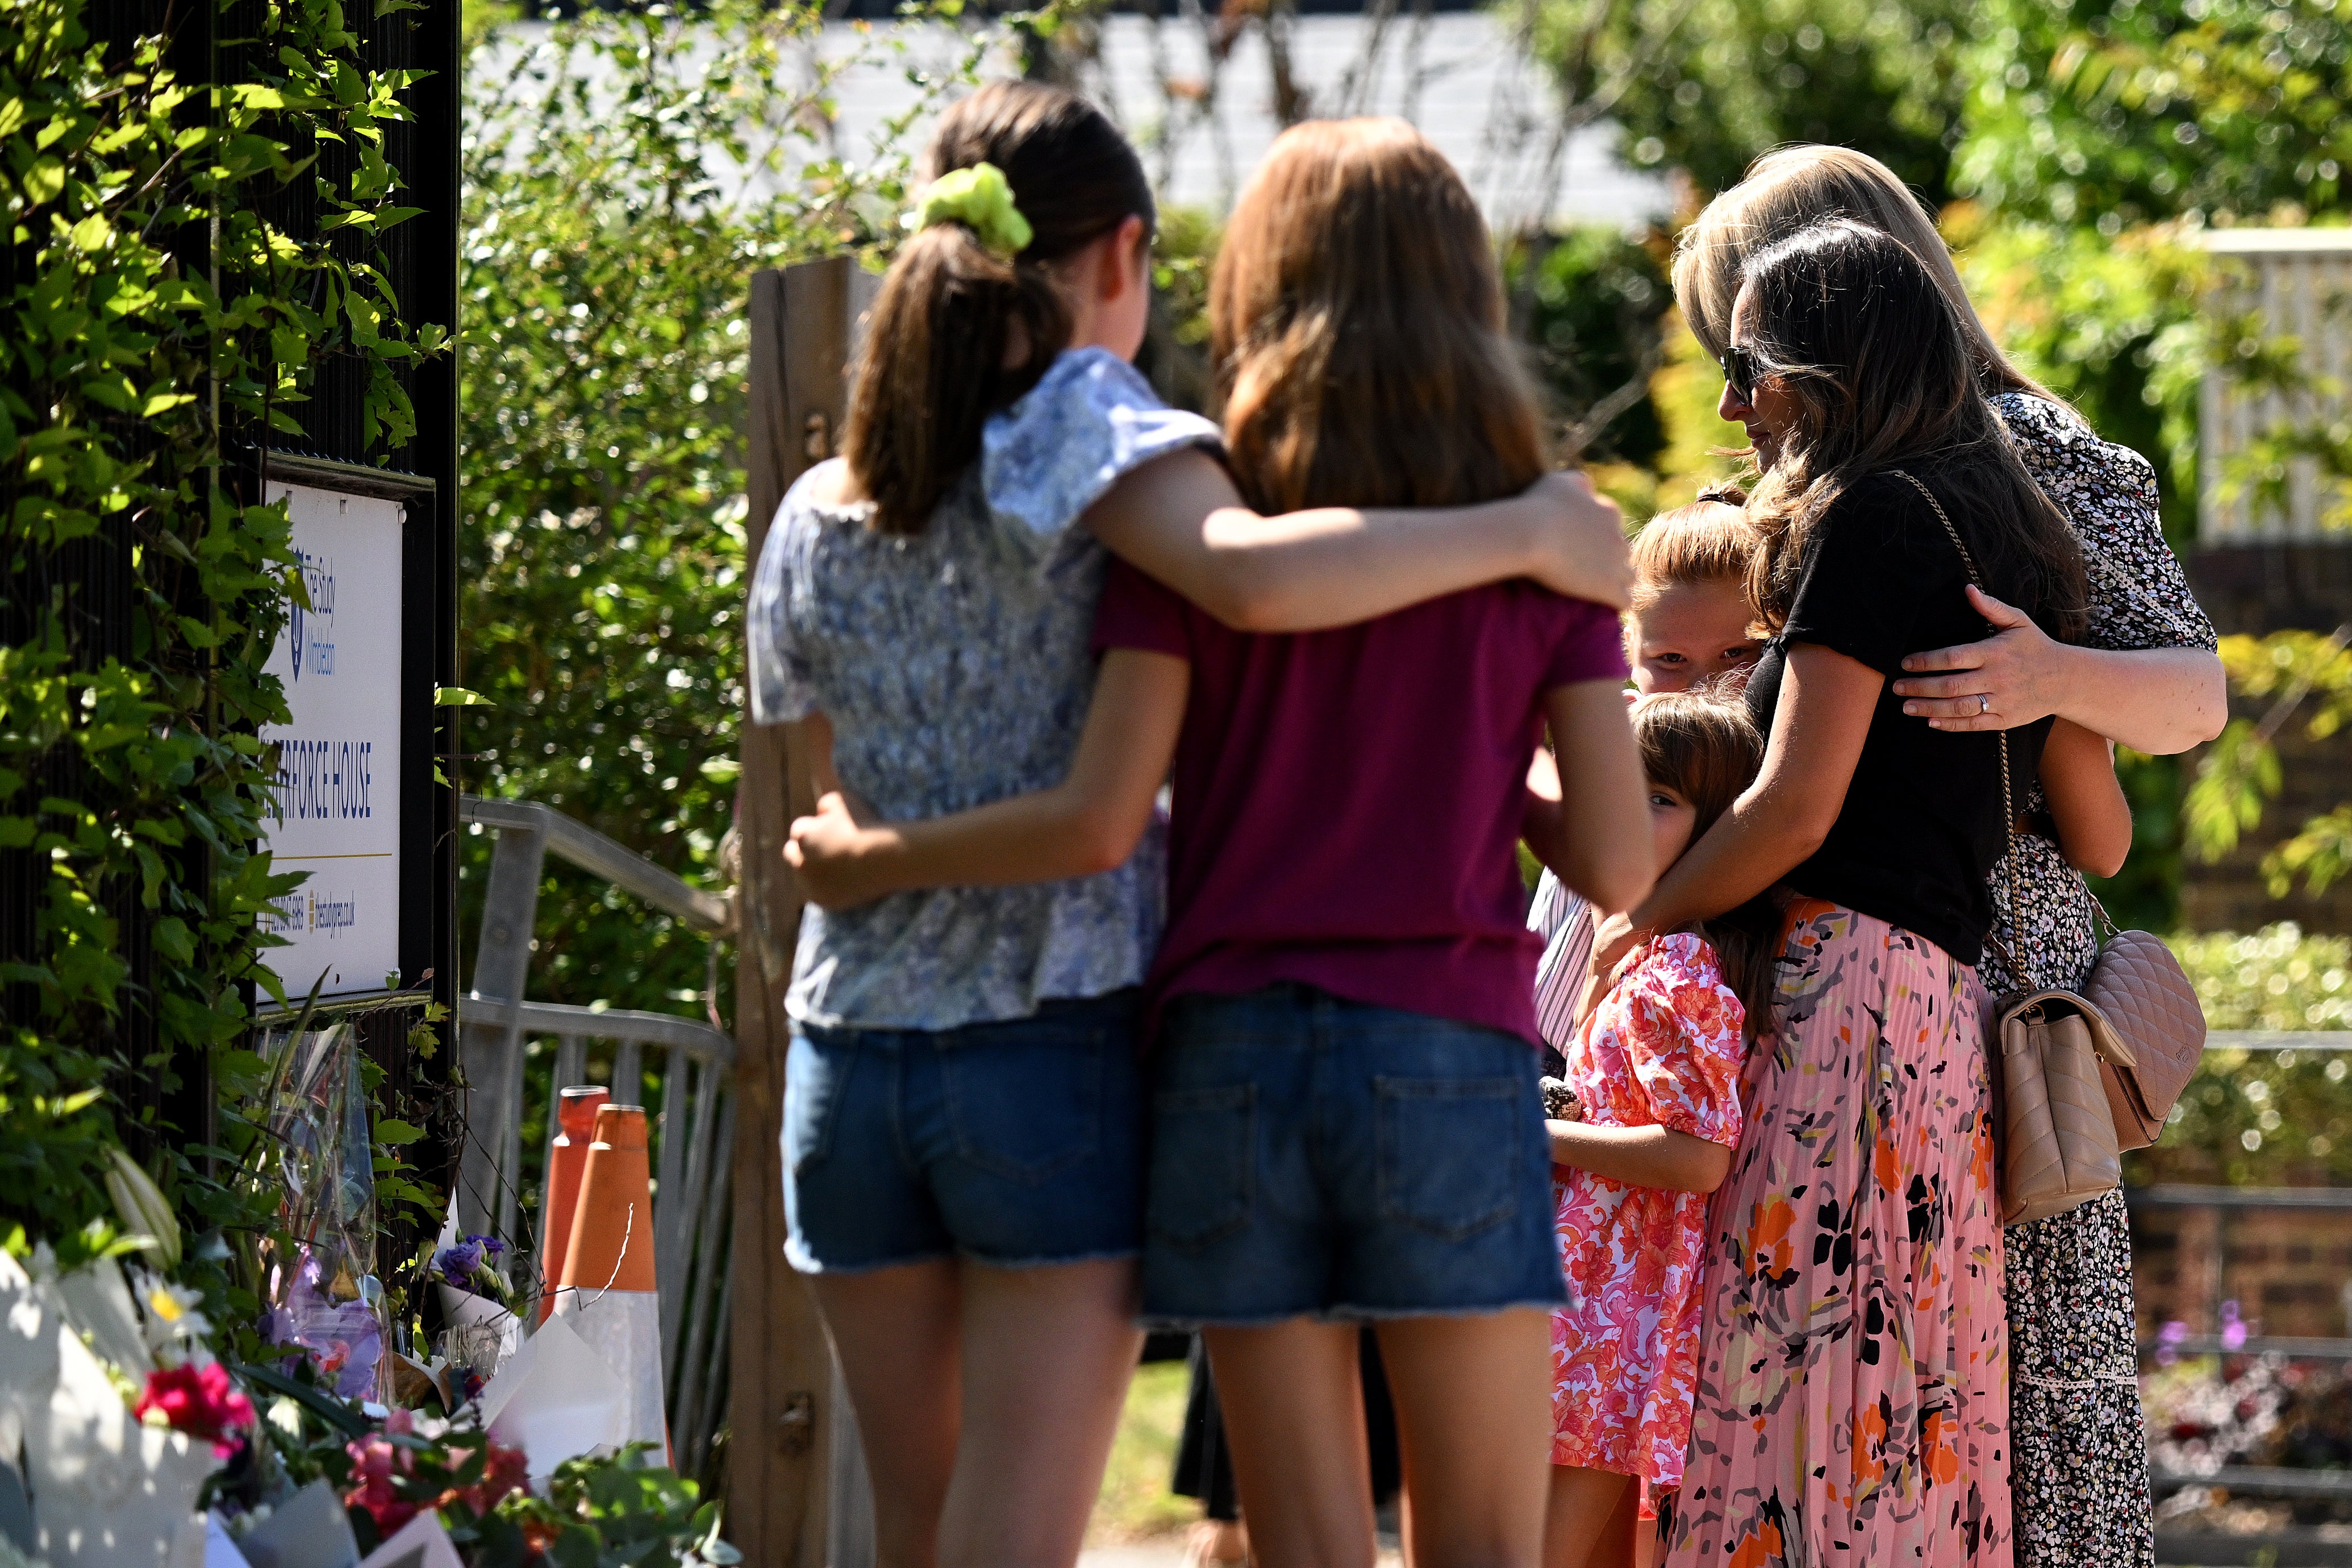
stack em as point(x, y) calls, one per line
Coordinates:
point(962, 1110)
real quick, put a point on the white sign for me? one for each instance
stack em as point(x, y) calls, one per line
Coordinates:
point(338, 807)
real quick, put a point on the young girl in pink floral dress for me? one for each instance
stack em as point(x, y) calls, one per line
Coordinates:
point(1656, 1068)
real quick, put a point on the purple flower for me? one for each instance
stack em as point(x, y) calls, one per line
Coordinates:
point(348, 1343)
point(458, 1261)
point(2233, 1327)
point(2167, 1342)
point(489, 1244)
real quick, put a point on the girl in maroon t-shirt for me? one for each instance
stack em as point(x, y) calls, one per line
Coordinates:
point(1346, 1120)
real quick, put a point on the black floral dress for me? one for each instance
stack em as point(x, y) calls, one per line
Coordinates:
point(2079, 1452)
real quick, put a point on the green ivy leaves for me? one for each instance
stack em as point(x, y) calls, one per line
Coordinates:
point(157, 311)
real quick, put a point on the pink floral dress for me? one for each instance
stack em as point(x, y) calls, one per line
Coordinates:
point(1663, 1049)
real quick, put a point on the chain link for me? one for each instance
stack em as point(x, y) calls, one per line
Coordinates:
point(2010, 955)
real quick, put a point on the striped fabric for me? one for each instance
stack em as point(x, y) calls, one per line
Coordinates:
point(1564, 919)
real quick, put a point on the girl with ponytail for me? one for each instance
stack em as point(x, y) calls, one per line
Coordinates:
point(1346, 1122)
point(963, 1116)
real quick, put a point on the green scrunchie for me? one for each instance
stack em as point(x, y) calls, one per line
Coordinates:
point(979, 198)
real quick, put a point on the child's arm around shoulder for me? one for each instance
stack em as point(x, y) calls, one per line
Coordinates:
point(1092, 440)
point(2086, 800)
point(1181, 519)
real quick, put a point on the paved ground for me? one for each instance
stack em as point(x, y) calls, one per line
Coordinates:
point(1169, 1553)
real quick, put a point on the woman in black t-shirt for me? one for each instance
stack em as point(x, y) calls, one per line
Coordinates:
point(1854, 1386)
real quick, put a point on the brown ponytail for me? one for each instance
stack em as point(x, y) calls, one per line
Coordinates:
point(958, 331)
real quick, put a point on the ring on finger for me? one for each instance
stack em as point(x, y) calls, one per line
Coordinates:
point(1984, 703)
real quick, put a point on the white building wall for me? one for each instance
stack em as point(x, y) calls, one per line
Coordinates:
point(2298, 283)
point(1457, 75)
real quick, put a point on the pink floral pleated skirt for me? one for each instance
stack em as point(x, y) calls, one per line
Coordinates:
point(1853, 1383)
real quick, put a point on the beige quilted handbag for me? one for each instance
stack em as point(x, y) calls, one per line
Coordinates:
point(2058, 1145)
point(2138, 994)
point(2083, 1076)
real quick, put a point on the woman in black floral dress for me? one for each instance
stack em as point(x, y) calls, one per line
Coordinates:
point(2146, 677)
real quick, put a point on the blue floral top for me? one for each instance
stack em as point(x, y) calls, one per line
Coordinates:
point(954, 666)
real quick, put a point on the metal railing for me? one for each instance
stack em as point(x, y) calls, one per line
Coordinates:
point(691, 1129)
point(2259, 1480)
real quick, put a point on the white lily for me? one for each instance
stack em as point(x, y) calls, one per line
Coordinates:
point(140, 1204)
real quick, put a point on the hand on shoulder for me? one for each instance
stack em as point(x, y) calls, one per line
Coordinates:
point(1581, 551)
point(1616, 942)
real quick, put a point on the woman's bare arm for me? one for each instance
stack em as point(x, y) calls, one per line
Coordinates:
point(2086, 800)
point(1640, 1156)
point(1181, 519)
point(1596, 835)
point(1087, 823)
point(1818, 730)
point(2158, 700)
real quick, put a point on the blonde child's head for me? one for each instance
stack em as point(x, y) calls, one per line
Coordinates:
point(1691, 621)
point(1356, 323)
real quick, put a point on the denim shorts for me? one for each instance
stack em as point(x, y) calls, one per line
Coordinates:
point(1312, 1156)
point(1015, 1144)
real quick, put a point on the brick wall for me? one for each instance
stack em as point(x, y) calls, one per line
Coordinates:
point(2289, 1271)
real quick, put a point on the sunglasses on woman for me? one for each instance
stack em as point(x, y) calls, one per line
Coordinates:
point(1740, 372)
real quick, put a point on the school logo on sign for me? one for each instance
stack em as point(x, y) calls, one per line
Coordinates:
point(310, 630)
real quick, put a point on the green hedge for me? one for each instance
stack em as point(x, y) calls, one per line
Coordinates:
point(2264, 1118)
point(607, 255)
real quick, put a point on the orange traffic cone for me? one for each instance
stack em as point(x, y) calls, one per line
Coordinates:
point(607, 1293)
point(575, 1114)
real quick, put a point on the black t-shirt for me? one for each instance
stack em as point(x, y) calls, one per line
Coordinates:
point(1921, 828)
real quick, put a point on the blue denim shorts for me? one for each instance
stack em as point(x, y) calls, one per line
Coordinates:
point(1015, 1144)
point(1312, 1156)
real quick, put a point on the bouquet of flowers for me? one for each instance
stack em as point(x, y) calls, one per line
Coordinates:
point(123, 1410)
point(472, 1266)
point(320, 1289)
point(330, 1319)
point(464, 1474)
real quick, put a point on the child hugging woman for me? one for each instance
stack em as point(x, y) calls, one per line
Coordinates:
point(1345, 1123)
point(964, 1112)
point(1690, 624)
point(1851, 1400)
point(1656, 1070)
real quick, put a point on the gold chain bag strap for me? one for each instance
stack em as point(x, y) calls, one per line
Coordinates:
point(2058, 1143)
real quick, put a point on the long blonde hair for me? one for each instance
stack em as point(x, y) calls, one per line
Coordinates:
point(1792, 188)
point(1356, 324)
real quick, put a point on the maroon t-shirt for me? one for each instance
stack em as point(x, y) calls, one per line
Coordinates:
point(1348, 803)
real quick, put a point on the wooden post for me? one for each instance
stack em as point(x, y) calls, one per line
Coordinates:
point(796, 1479)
